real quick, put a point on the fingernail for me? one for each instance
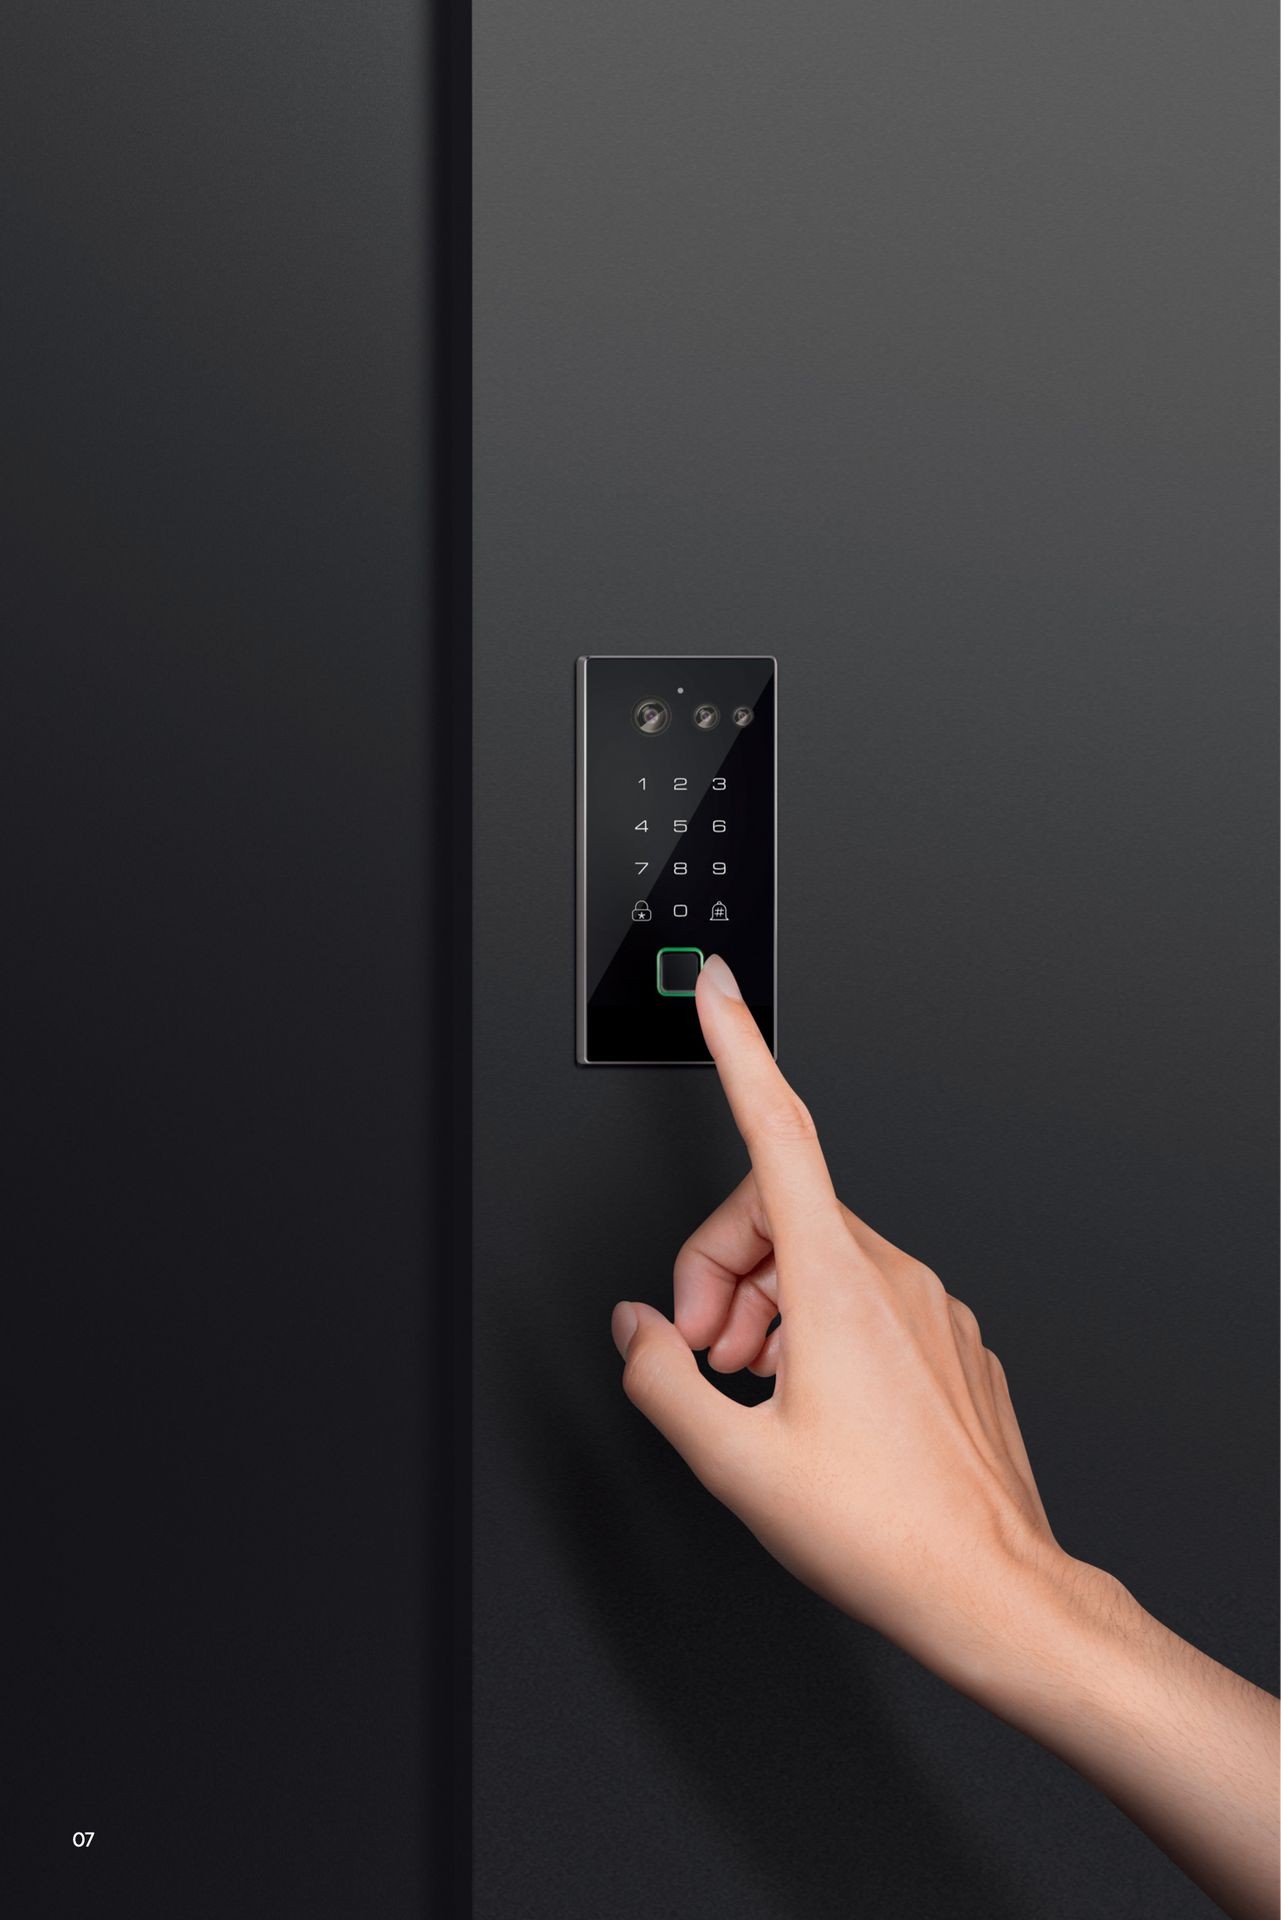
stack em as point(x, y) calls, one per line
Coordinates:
point(623, 1325)
point(719, 977)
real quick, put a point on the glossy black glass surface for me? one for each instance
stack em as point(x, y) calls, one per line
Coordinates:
point(676, 847)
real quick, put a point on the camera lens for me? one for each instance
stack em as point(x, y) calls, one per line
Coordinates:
point(651, 716)
point(707, 716)
point(743, 716)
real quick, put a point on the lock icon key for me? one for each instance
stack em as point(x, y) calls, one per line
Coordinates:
point(718, 911)
point(641, 911)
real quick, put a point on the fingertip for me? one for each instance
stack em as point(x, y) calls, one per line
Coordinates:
point(699, 1311)
point(622, 1325)
point(693, 1332)
point(765, 1365)
point(716, 978)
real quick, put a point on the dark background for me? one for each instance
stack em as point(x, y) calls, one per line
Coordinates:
point(221, 337)
point(929, 348)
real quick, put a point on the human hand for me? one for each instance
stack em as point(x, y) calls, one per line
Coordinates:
point(888, 1472)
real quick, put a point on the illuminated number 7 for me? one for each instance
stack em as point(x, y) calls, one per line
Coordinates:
point(640, 865)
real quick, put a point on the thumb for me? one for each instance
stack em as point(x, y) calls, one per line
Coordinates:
point(662, 1378)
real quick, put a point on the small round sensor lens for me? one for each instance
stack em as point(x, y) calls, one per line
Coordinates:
point(651, 716)
point(707, 716)
point(743, 716)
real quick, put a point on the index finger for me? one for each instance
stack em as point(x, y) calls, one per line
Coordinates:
point(791, 1173)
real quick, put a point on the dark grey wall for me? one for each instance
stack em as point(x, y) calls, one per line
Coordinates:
point(930, 348)
point(215, 605)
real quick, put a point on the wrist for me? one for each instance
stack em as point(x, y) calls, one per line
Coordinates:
point(1045, 1638)
point(1182, 1745)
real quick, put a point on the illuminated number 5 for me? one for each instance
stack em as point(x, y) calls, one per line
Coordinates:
point(680, 826)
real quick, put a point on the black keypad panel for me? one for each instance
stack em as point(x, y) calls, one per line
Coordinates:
point(676, 800)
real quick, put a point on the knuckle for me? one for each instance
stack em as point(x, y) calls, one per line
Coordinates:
point(964, 1319)
point(784, 1118)
point(926, 1281)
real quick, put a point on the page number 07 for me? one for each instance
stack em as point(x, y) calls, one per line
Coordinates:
point(81, 1839)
